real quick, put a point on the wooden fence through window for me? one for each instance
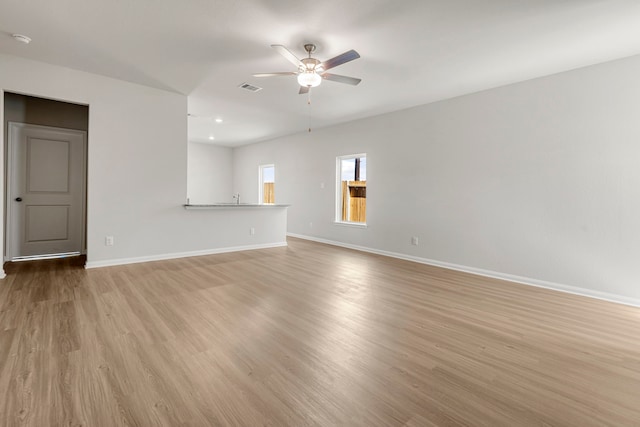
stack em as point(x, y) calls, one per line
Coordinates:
point(268, 193)
point(354, 201)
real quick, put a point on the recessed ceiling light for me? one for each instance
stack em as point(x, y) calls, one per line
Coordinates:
point(218, 120)
point(21, 38)
point(211, 138)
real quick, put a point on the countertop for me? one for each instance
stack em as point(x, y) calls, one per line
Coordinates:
point(234, 206)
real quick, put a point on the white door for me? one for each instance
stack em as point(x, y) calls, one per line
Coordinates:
point(45, 191)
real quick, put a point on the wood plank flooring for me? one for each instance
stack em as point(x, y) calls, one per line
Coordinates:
point(307, 335)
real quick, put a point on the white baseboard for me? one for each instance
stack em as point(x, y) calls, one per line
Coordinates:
point(621, 299)
point(161, 257)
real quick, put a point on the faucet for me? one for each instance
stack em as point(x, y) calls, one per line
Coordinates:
point(237, 197)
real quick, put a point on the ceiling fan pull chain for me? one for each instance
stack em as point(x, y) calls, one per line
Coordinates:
point(309, 110)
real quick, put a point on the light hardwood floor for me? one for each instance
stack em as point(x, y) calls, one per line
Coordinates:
point(307, 335)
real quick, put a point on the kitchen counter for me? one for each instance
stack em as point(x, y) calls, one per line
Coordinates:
point(235, 206)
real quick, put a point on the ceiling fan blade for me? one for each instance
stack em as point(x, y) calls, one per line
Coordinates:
point(341, 79)
point(287, 54)
point(303, 90)
point(284, 73)
point(339, 60)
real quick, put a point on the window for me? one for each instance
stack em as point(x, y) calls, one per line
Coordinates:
point(351, 189)
point(266, 189)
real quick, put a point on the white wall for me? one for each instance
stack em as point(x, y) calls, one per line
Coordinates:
point(209, 176)
point(137, 168)
point(539, 180)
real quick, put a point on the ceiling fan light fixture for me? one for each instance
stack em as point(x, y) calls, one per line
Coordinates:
point(309, 79)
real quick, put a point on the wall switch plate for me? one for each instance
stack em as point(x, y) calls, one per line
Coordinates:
point(108, 241)
point(322, 185)
point(414, 240)
point(252, 231)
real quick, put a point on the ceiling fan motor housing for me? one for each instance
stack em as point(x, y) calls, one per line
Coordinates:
point(309, 64)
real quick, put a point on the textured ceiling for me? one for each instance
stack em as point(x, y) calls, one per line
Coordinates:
point(412, 51)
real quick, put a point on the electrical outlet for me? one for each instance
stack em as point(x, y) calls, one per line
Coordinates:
point(252, 231)
point(310, 225)
point(108, 241)
point(322, 185)
point(414, 240)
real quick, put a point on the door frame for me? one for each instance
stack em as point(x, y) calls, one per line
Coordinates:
point(8, 164)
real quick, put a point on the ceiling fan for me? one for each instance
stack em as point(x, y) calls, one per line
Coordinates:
point(311, 71)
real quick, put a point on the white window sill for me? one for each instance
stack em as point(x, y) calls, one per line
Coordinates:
point(351, 224)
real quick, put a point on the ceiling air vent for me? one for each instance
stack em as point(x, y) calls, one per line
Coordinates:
point(249, 87)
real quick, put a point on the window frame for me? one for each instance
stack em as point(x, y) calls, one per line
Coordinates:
point(338, 194)
point(261, 182)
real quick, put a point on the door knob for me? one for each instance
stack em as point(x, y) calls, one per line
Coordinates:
point(18, 199)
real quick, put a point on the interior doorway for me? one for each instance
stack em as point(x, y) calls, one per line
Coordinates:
point(45, 192)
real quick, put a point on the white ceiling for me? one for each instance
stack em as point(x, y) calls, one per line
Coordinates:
point(412, 51)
